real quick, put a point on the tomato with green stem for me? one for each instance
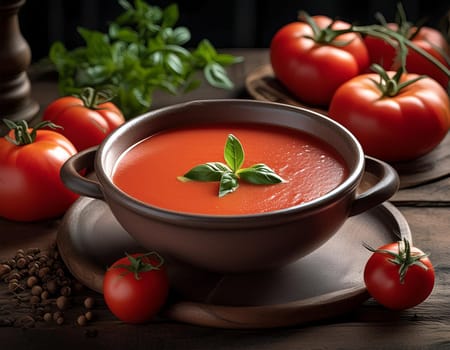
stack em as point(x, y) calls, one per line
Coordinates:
point(428, 39)
point(85, 119)
point(314, 56)
point(30, 161)
point(398, 275)
point(395, 116)
point(135, 287)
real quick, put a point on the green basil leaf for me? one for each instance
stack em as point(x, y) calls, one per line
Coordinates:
point(260, 174)
point(211, 171)
point(181, 35)
point(227, 59)
point(216, 75)
point(58, 53)
point(174, 64)
point(170, 15)
point(228, 183)
point(179, 50)
point(95, 40)
point(205, 52)
point(233, 153)
point(125, 34)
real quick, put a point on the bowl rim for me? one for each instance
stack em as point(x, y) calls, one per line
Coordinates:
point(112, 192)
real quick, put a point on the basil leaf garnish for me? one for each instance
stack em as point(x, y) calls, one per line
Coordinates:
point(228, 183)
point(211, 171)
point(233, 153)
point(260, 174)
point(229, 174)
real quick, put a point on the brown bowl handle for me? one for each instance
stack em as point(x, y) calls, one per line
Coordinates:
point(387, 185)
point(82, 162)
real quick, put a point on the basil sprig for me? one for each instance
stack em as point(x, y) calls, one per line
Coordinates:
point(228, 174)
point(142, 51)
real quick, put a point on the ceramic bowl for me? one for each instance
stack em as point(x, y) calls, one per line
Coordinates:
point(233, 243)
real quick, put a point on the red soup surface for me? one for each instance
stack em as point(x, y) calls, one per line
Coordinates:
point(149, 170)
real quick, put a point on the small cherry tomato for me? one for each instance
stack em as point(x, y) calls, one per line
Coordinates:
point(398, 275)
point(30, 161)
point(84, 120)
point(136, 287)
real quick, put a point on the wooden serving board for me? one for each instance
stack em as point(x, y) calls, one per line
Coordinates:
point(324, 284)
point(262, 85)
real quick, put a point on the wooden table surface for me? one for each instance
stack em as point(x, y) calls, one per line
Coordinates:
point(370, 326)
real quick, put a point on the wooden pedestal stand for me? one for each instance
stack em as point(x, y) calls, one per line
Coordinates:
point(15, 57)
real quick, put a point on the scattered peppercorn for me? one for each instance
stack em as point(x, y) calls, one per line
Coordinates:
point(21, 263)
point(60, 320)
point(44, 295)
point(36, 290)
point(41, 284)
point(66, 291)
point(47, 317)
point(89, 302)
point(32, 281)
point(52, 286)
point(57, 314)
point(89, 315)
point(34, 299)
point(62, 302)
point(4, 269)
point(81, 320)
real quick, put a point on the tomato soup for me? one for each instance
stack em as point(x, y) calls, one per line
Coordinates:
point(149, 170)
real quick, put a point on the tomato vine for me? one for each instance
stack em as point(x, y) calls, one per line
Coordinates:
point(381, 31)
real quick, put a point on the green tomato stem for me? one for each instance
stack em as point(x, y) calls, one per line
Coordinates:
point(388, 86)
point(404, 258)
point(23, 134)
point(392, 37)
point(138, 265)
point(93, 97)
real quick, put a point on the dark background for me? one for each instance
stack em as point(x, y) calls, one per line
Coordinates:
point(227, 24)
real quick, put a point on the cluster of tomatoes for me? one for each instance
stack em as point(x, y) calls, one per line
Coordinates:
point(395, 115)
point(398, 110)
point(31, 158)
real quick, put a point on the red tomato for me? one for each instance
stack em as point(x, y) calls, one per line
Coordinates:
point(86, 124)
point(428, 39)
point(135, 287)
point(30, 185)
point(312, 69)
point(399, 276)
point(401, 127)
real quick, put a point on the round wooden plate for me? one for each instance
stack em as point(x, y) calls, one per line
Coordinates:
point(262, 85)
point(324, 284)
